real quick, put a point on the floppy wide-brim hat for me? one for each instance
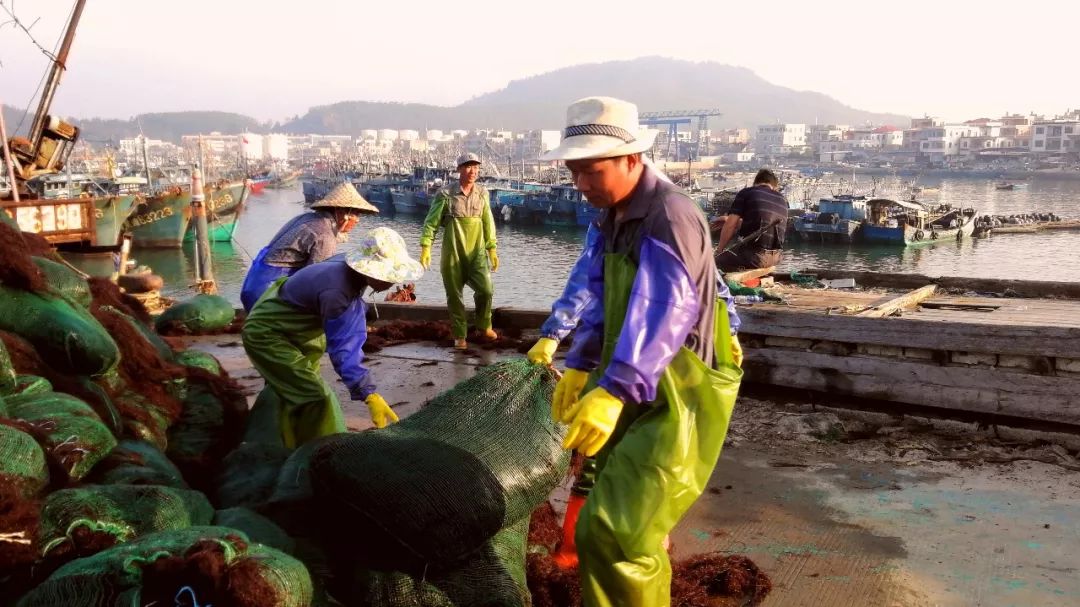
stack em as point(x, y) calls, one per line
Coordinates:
point(345, 196)
point(381, 254)
point(601, 127)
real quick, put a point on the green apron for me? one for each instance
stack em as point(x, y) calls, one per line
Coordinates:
point(656, 464)
point(285, 346)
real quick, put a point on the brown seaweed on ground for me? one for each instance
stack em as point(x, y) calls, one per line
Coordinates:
point(17, 268)
point(703, 580)
point(544, 527)
point(700, 580)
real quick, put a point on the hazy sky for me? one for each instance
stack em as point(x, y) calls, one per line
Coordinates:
point(272, 59)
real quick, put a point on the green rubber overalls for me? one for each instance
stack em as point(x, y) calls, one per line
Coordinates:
point(285, 345)
point(656, 464)
point(470, 232)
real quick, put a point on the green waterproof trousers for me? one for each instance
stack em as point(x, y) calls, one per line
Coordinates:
point(464, 262)
point(656, 464)
point(285, 345)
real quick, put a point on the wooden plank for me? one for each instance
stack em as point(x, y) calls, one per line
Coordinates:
point(965, 307)
point(912, 331)
point(973, 389)
point(738, 277)
point(899, 303)
point(1020, 288)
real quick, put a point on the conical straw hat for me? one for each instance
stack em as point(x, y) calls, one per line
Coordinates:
point(345, 196)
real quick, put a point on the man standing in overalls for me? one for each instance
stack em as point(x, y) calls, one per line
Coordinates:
point(651, 358)
point(468, 248)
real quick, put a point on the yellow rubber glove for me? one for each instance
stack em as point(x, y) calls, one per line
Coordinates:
point(542, 351)
point(493, 259)
point(566, 394)
point(425, 257)
point(380, 411)
point(594, 421)
point(736, 350)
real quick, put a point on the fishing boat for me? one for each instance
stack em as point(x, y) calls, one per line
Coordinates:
point(284, 181)
point(910, 223)
point(1008, 186)
point(259, 181)
point(837, 219)
point(112, 199)
point(559, 206)
point(162, 220)
point(224, 205)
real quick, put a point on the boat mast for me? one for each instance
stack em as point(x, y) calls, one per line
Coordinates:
point(59, 65)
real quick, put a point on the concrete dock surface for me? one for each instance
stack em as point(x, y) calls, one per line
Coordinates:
point(838, 507)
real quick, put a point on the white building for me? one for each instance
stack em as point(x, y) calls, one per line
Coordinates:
point(939, 144)
point(781, 138)
point(369, 134)
point(1054, 136)
point(134, 146)
point(251, 146)
point(434, 135)
point(388, 135)
point(276, 146)
point(408, 135)
point(531, 144)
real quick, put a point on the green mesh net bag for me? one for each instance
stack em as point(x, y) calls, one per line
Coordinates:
point(22, 462)
point(26, 386)
point(65, 335)
point(438, 485)
point(195, 358)
point(138, 462)
point(262, 424)
point(64, 280)
point(197, 440)
point(249, 473)
point(70, 432)
point(121, 512)
point(7, 371)
point(493, 575)
point(256, 526)
point(197, 565)
point(200, 314)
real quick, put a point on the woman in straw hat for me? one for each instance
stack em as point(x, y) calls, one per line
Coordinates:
point(651, 380)
point(308, 238)
point(320, 310)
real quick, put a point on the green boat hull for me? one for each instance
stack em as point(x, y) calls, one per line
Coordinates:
point(110, 213)
point(224, 207)
point(160, 222)
point(109, 217)
point(164, 220)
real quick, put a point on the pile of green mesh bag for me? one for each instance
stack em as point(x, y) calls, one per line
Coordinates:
point(110, 444)
point(133, 474)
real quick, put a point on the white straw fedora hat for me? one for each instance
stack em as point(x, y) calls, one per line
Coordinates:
point(601, 127)
point(382, 255)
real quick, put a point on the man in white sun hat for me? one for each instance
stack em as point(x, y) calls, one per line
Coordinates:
point(650, 381)
point(306, 239)
point(318, 310)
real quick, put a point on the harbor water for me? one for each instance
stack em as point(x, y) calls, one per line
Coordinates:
point(535, 261)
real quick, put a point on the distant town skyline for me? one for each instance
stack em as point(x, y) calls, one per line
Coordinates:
point(273, 61)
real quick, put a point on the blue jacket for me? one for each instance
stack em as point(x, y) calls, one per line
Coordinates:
point(334, 292)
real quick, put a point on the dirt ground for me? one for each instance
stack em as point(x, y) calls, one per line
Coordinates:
point(839, 507)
